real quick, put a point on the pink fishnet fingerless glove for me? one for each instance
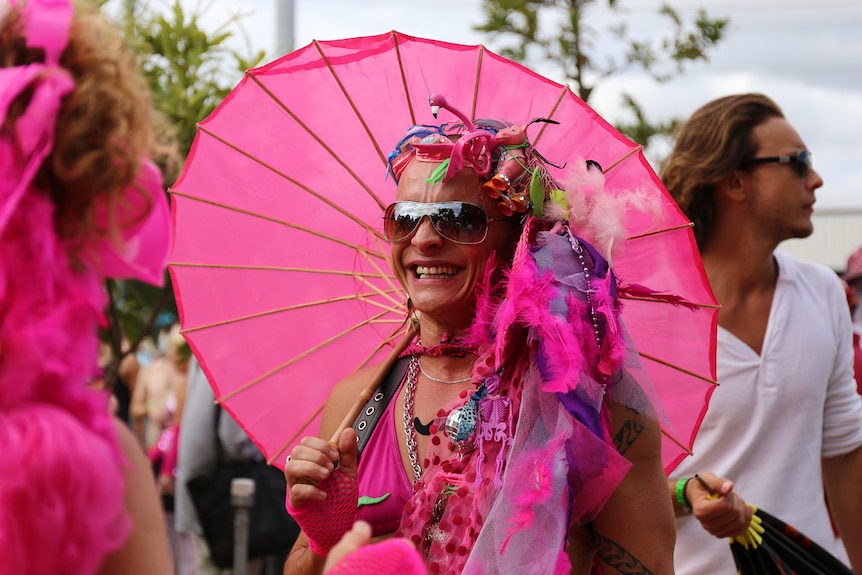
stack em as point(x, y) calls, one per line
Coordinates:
point(325, 522)
point(391, 557)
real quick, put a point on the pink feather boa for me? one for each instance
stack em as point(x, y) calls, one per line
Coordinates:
point(531, 316)
point(62, 468)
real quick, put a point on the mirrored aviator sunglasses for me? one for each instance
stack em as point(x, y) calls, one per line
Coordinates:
point(459, 222)
point(801, 162)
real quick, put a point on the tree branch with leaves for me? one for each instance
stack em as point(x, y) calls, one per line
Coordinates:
point(190, 71)
point(559, 32)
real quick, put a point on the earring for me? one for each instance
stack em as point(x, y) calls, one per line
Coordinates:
point(411, 315)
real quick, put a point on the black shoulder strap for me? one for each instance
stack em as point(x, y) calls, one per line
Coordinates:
point(370, 414)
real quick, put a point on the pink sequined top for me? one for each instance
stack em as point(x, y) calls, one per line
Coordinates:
point(381, 474)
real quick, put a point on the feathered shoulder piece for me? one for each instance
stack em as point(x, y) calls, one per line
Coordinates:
point(561, 296)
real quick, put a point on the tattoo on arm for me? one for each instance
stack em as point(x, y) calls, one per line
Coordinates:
point(627, 435)
point(628, 392)
point(620, 559)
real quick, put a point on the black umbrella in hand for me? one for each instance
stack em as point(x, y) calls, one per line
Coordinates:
point(771, 546)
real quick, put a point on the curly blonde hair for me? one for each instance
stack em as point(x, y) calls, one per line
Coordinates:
point(717, 140)
point(105, 127)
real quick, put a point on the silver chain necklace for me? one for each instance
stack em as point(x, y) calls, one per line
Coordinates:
point(409, 432)
point(443, 381)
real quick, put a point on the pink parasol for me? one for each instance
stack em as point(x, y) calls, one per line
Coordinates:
point(280, 273)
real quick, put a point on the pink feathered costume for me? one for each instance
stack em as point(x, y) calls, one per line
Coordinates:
point(61, 472)
point(551, 349)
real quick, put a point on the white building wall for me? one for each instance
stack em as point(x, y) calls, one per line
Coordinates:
point(837, 233)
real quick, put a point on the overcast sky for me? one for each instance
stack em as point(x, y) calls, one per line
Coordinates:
point(805, 54)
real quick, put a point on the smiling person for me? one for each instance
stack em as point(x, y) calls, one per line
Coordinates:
point(786, 417)
point(499, 450)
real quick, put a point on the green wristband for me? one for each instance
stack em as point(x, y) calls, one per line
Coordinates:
point(680, 494)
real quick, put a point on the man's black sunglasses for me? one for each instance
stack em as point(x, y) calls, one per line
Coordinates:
point(801, 162)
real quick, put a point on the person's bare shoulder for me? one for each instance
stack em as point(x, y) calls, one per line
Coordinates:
point(129, 369)
point(146, 549)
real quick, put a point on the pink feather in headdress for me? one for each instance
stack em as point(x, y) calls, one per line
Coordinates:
point(596, 213)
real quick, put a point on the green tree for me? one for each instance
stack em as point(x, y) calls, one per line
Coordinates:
point(190, 70)
point(558, 31)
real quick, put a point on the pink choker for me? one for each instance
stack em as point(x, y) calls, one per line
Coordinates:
point(446, 348)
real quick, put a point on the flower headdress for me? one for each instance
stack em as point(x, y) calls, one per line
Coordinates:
point(497, 150)
point(517, 175)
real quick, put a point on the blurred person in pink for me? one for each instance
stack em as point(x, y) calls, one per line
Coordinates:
point(79, 201)
point(852, 277)
point(786, 417)
point(159, 388)
point(853, 305)
point(156, 411)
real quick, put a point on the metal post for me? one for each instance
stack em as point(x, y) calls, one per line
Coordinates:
point(242, 499)
point(284, 26)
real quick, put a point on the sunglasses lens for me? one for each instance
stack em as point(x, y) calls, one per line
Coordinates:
point(461, 222)
point(399, 221)
point(456, 221)
point(803, 164)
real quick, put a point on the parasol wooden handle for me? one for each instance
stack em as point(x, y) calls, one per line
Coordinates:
point(713, 494)
point(366, 393)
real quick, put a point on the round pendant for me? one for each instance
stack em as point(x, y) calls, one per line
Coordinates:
point(461, 427)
